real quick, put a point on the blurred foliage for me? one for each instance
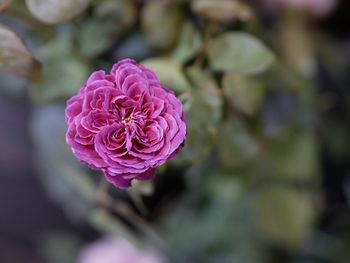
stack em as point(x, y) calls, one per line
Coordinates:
point(238, 52)
point(15, 57)
point(247, 186)
point(53, 12)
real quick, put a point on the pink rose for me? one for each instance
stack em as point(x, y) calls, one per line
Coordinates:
point(116, 250)
point(125, 123)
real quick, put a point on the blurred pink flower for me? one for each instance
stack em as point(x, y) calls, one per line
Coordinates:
point(316, 7)
point(116, 250)
point(125, 123)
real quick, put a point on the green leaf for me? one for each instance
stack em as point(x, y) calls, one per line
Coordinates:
point(161, 23)
point(202, 115)
point(217, 10)
point(206, 96)
point(116, 15)
point(239, 52)
point(15, 57)
point(169, 72)
point(56, 11)
point(294, 157)
point(64, 73)
point(225, 190)
point(237, 146)
point(244, 94)
point(93, 38)
point(135, 47)
point(285, 215)
point(189, 44)
point(55, 86)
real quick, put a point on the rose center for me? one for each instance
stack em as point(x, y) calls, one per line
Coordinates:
point(127, 120)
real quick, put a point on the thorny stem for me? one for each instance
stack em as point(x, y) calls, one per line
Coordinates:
point(212, 26)
point(124, 210)
point(101, 192)
point(137, 199)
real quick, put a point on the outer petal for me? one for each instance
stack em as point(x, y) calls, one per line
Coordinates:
point(85, 153)
point(148, 175)
point(117, 180)
point(74, 108)
point(97, 75)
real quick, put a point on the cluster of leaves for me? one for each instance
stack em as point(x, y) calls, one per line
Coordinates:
point(248, 180)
